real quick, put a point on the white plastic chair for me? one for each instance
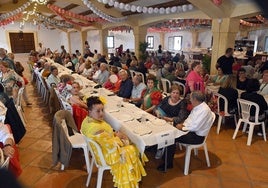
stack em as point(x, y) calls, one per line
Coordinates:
point(64, 104)
point(132, 73)
point(189, 148)
point(4, 163)
point(182, 86)
point(18, 106)
point(226, 113)
point(245, 107)
point(140, 74)
point(77, 140)
point(101, 167)
point(166, 85)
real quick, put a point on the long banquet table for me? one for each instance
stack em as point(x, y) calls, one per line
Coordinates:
point(142, 128)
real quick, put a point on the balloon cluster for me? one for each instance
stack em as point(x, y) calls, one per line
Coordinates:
point(70, 14)
point(102, 14)
point(10, 19)
point(148, 10)
point(14, 12)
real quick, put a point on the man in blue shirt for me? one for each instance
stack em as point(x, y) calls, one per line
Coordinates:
point(126, 84)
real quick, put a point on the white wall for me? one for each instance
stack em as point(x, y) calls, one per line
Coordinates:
point(93, 38)
point(186, 39)
point(75, 42)
point(49, 38)
point(205, 38)
point(125, 38)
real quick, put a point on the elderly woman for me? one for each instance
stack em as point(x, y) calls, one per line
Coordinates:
point(126, 166)
point(10, 80)
point(113, 83)
point(65, 85)
point(172, 108)
point(151, 96)
point(219, 78)
point(194, 80)
point(53, 79)
point(253, 85)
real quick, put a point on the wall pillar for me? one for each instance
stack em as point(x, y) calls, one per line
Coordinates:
point(162, 41)
point(224, 33)
point(103, 42)
point(83, 39)
point(139, 36)
point(194, 38)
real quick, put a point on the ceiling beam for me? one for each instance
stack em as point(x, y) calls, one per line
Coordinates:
point(245, 10)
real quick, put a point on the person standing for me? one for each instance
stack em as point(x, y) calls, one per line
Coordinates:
point(226, 61)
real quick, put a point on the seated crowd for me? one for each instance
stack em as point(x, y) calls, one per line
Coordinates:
point(187, 112)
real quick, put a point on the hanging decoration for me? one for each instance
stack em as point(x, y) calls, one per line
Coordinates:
point(102, 14)
point(147, 10)
point(40, 2)
point(217, 2)
point(15, 12)
point(180, 24)
point(70, 14)
point(11, 19)
point(249, 24)
point(53, 22)
point(123, 28)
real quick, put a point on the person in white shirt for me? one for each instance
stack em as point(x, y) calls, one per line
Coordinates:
point(102, 75)
point(264, 83)
point(138, 87)
point(196, 125)
point(41, 49)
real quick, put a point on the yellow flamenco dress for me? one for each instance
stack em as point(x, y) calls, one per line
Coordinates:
point(124, 159)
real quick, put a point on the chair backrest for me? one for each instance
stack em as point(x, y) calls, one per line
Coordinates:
point(244, 108)
point(166, 85)
point(221, 100)
point(4, 163)
point(132, 73)
point(96, 152)
point(140, 74)
point(182, 87)
point(210, 122)
point(19, 97)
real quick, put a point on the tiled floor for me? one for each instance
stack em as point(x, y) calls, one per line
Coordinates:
point(233, 164)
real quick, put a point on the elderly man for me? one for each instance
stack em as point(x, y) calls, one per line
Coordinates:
point(4, 57)
point(196, 125)
point(138, 87)
point(264, 83)
point(126, 84)
point(102, 75)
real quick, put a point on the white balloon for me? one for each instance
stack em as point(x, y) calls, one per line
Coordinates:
point(162, 10)
point(139, 9)
point(105, 1)
point(144, 9)
point(179, 8)
point(127, 7)
point(168, 10)
point(184, 8)
point(133, 8)
point(85, 2)
point(150, 10)
point(173, 9)
point(116, 4)
point(156, 10)
point(190, 7)
point(111, 2)
point(121, 5)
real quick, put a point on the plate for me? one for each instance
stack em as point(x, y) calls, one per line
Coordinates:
point(113, 78)
point(124, 117)
point(142, 130)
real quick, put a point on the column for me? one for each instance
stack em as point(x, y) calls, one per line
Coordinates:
point(194, 38)
point(224, 33)
point(68, 48)
point(139, 36)
point(83, 39)
point(162, 41)
point(103, 41)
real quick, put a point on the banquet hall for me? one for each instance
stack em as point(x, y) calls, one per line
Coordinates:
point(99, 31)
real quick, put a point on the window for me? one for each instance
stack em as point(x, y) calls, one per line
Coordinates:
point(150, 40)
point(266, 44)
point(110, 42)
point(177, 43)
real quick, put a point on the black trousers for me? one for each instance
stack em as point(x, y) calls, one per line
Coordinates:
point(189, 138)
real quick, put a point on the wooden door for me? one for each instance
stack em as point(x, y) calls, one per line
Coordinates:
point(21, 42)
